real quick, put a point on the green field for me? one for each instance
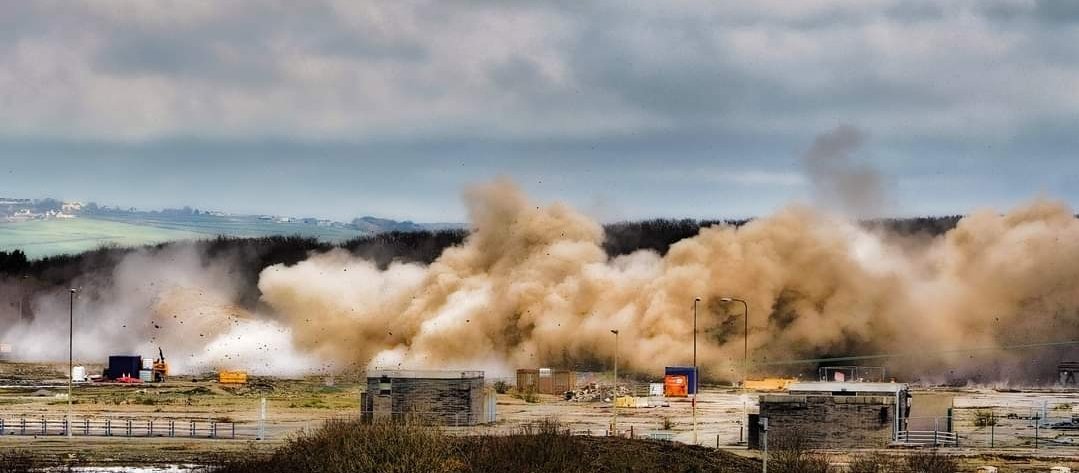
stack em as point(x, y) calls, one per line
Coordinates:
point(40, 238)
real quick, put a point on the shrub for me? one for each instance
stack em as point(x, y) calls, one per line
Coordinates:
point(984, 418)
point(873, 463)
point(931, 462)
point(790, 453)
point(502, 387)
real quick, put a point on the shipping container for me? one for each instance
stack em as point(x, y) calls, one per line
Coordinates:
point(546, 381)
point(146, 376)
point(689, 372)
point(232, 377)
point(675, 386)
point(123, 365)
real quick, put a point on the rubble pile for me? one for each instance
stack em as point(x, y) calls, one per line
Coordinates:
point(595, 392)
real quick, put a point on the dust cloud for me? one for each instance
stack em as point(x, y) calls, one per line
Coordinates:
point(532, 286)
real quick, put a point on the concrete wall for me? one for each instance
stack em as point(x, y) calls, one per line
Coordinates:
point(438, 401)
point(827, 421)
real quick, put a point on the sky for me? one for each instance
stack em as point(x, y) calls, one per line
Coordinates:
point(698, 108)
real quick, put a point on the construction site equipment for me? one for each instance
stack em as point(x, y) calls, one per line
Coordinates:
point(123, 366)
point(159, 368)
point(676, 386)
point(232, 377)
point(769, 384)
point(689, 372)
point(78, 374)
point(546, 381)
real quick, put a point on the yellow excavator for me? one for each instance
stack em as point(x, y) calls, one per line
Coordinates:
point(161, 368)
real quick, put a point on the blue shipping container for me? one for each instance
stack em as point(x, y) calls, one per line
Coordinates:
point(688, 371)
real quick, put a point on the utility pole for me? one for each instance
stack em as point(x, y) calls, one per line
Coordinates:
point(70, 357)
point(614, 421)
point(696, 372)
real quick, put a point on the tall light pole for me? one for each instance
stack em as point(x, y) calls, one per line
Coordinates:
point(696, 372)
point(70, 356)
point(745, 365)
point(615, 332)
point(745, 342)
point(614, 421)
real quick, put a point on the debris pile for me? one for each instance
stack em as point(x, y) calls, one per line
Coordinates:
point(594, 392)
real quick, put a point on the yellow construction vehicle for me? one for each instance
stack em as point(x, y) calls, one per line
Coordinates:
point(161, 368)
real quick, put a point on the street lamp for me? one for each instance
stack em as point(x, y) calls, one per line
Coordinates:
point(696, 372)
point(70, 356)
point(614, 420)
point(745, 346)
point(615, 332)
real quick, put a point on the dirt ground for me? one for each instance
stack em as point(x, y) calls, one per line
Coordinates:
point(34, 391)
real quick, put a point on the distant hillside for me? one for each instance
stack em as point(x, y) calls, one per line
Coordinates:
point(42, 235)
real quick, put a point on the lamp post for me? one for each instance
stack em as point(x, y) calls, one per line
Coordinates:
point(70, 356)
point(745, 363)
point(745, 343)
point(696, 372)
point(614, 420)
point(615, 332)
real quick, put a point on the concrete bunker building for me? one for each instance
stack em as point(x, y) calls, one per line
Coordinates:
point(835, 414)
point(449, 398)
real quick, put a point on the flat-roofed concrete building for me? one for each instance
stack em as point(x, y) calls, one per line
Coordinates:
point(835, 414)
point(450, 398)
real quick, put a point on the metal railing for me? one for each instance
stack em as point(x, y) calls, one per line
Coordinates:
point(927, 438)
point(88, 427)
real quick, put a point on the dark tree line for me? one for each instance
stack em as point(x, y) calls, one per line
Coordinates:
point(249, 256)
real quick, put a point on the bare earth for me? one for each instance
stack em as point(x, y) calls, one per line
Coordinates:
point(34, 392)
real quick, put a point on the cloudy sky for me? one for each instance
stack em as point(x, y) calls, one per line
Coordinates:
point(340, 108)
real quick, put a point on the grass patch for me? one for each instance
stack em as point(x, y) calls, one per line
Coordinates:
point(357, 447)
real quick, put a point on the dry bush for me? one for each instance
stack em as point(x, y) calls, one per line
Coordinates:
point(874, 463)
point(790, 453)
point(355, 447)
point(542, 447)
point(931, 461)
point(18, 462)
point(501, 387)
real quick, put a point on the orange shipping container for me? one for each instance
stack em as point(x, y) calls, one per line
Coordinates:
point(676, 386)
point(232, 377)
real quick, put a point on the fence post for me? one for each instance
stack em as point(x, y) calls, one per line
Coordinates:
point(262, 419)
point(936, 428)
point(43, 431)
point(108, 427)
point(172, 428)
point(1037, 421)
point(86, 427)
point(233, 430)
point(192, 429)
point(213, 430)
point(1, 426)
point(992, 430)
point(129, 427)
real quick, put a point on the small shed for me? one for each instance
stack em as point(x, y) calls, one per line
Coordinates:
point(450, 398)
point(546, 381)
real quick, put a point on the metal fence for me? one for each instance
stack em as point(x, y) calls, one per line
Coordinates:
point(108, 427)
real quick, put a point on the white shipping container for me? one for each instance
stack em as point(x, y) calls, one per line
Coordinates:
point(78, 374)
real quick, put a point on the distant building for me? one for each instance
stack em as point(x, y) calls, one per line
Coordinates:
point(450, 398)
point(835, 414)
point(546, 381)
